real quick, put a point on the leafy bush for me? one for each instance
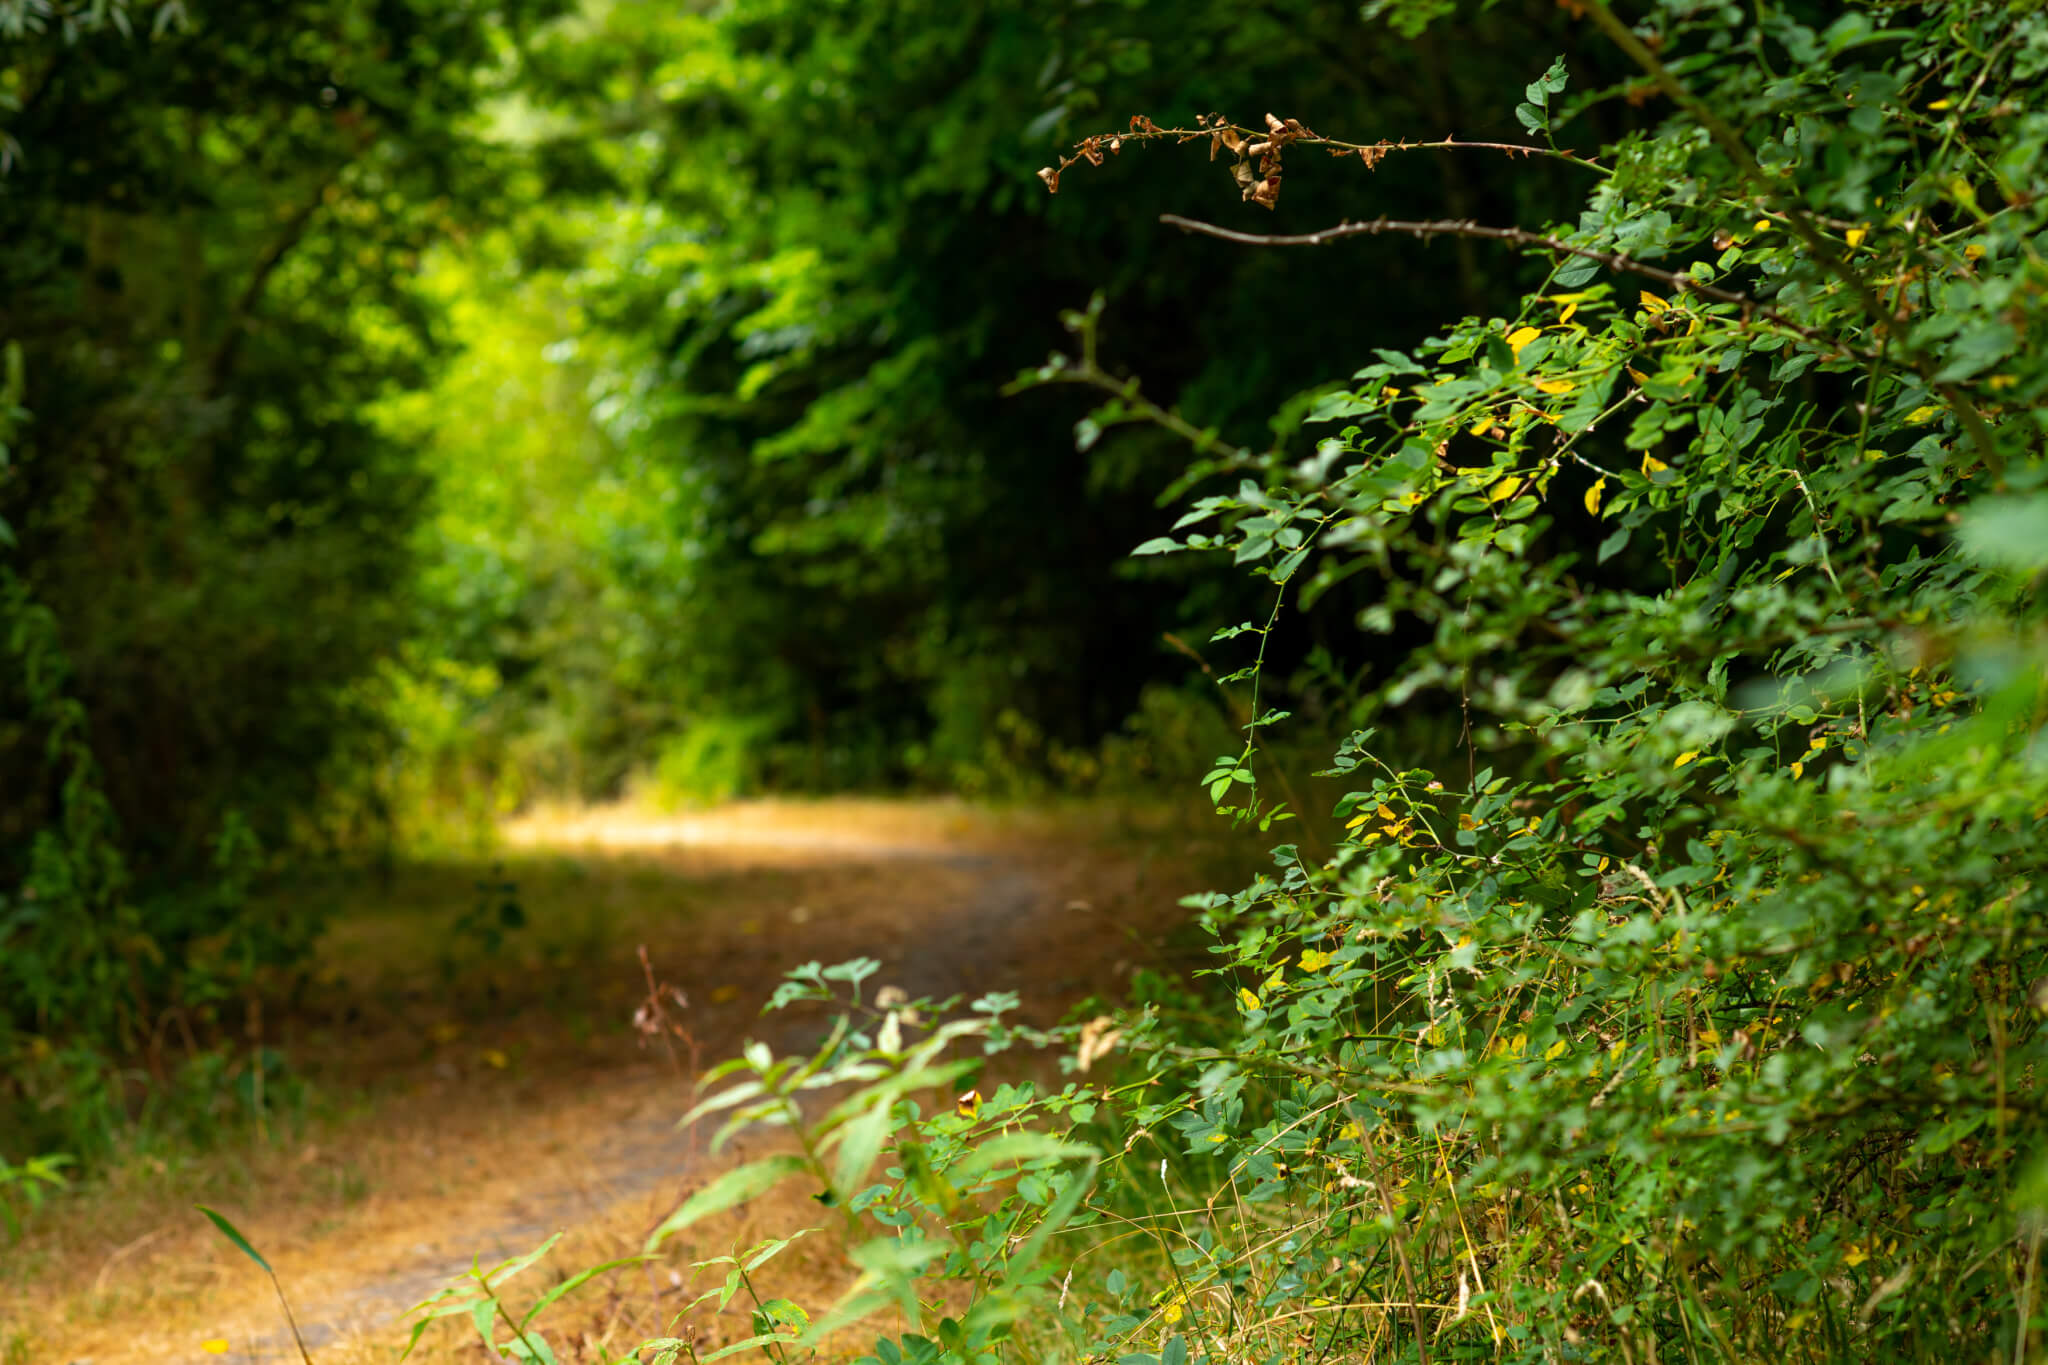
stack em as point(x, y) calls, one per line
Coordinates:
point(715, 759)
point(1696, 1010)
point(1692, 1010)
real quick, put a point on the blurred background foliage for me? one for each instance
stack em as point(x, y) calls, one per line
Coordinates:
point(420, 409)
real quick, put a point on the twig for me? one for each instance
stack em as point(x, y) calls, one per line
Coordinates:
point(1465, 227)
point(99, 1281)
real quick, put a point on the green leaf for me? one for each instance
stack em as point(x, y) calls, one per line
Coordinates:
point(1078, 1185)
point(2007, 533)
point(730, 1190)
point(860, 1142)
point(772, 1248)
point(1017, 1148)
point(1975, 350)
point(577, 1281)
point(229, 1231)
point(517, 1265)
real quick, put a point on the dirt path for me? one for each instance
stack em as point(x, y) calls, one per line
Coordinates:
point(517, 1103)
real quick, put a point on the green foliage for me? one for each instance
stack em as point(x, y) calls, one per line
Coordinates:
point(210, 223)
point(803, 287)
point(714, 759)
point(968, 1196)
point(1691, 1007)
point(30, 1182)
point(479, 1296)
point(1691, 1012)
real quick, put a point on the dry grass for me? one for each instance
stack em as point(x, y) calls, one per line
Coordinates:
point(509, 1097)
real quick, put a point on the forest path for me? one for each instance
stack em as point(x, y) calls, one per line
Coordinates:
point(514, 1101)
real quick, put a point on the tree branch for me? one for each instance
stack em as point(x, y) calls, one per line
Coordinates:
point(1460, 227)
point(223, 360)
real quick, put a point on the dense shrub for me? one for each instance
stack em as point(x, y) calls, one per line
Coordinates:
point(211, 216)
point(1692, 1010)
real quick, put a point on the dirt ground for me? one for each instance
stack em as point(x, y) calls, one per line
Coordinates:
point(504, 1095)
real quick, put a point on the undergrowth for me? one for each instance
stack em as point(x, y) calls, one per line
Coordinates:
point(1691, 1011)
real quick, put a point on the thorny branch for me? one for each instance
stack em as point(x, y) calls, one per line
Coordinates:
point(1258, 151)
point(1257, 170)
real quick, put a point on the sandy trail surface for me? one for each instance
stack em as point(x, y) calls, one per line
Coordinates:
point(513, 1099)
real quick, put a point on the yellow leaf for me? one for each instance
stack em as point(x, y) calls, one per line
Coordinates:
point(968, 1106)
point(1355, 821)
point(1939, 105)
point(1386, 814)
point(1482, 426)
point(1688, 756)
point(1593, 495)
point(1556, 1050)
point(495, 1059)
point(1277, 979)
point(1465, 821)
point(1923, 414)
point(1651, 301)
point(1761, 225)
point(1638, 375)
point(1350, 1132)
point(1505, 489)
point(1798, 770)
point(1521, 337)
point(1652, 466)
point(1555, 385)
point(1314, 960)
point(1855, 235)
point(1855, 1256)
point(216, 1347)
point(1246, 998)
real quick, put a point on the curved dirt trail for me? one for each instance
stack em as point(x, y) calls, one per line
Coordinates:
point(535, 1112)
